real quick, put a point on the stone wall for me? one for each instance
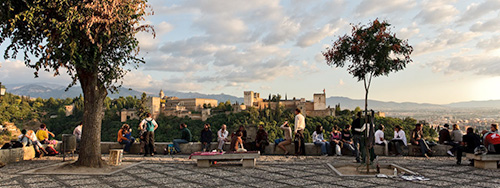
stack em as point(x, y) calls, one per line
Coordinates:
point(16, 154)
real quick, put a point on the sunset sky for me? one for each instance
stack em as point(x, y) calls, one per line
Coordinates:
point(272, 46)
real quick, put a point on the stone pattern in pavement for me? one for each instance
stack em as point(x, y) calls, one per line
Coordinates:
point(272, 171)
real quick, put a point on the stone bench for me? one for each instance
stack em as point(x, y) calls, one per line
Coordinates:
point(439, 150)
point(17, 154)
point(488, 161)
point(248, 158)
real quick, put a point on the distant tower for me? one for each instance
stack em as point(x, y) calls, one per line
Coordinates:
point(320, 101)
point(248, 98)
point(162, 94)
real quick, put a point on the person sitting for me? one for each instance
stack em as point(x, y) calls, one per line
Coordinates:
point(185, 137)
point(288, 137)
point(379, 139)
point(399, 140)
point(78, 132)
point(261, 139)
point(456, 139)
point(238, 146)
point(244, 134)
point(40, 151)
point(24, 139)
point(318, 140)
point(336, 141)
point(469, 142)
point(125, 138)
point(43, 134)
point(491, 139)
point(347, 140)
point(444, 135)
point(206, 137)
point(417, 139)
point(222, 137)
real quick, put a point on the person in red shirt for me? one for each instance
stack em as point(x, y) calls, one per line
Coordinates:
point(492, 139)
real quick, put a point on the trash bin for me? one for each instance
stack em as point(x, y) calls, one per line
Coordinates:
point(115, 157)
point(69, 143)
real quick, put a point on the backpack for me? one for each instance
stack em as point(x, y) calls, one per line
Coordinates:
point(16, 144)
point(150, 126)
point(51, 151)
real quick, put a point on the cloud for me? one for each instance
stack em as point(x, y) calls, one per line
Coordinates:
point(436, 12)
point(478, 64)
point(163, 28)
point(492, 25)
point(137, 79)
point(314, 36)
point(477, 10)
point(375, 7)
point(489, 44)
point(15, 72)
point(447, 39)
point(408, 32)
point(265, 87)
point(174, 64)
point(341, 82)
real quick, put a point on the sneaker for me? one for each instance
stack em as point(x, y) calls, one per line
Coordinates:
point(324, 155)
point(427, 156)
point(450, 153)
point(459, 162)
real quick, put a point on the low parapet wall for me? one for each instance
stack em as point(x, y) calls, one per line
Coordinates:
point(311, 149)
point(16, 154)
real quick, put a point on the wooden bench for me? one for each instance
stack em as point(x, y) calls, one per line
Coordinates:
point(488, 161)
point(249, 158)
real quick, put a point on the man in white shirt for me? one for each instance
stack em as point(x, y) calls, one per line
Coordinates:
point(300, 125)
point(222, 137)
point(379, 139)
point(399, 140)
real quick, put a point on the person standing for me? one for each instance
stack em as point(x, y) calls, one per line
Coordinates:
point(78, 132)
point(318, 140)
point(185, 137)
point(261, 139)
point(125, 137)
point(399, 140)
point(357, 133)
point(288, 137)
point(300, 125)
point(222, 137)
point(150, 125)
point(206, 137)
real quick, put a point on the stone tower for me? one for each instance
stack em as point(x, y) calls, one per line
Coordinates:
point(319, 101)
point(248, 98)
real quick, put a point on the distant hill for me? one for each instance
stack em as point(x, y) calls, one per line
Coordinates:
point(347, 103)
point(476, 104)
point(46, 91)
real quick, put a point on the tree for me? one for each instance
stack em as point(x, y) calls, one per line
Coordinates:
point(373, 51)
point(91, 40)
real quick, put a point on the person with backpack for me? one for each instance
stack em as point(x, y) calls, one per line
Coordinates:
point(186, 137)
point(150, 125)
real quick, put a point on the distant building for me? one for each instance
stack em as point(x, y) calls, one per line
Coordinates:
point(127, 114)
point(192, 104)
point(308, 108)
point(380, 114)
point(153, 105)
point(68, 109)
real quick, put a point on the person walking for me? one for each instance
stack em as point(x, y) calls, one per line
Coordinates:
point(149, 125)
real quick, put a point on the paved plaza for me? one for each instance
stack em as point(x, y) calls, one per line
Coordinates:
point(271, 171)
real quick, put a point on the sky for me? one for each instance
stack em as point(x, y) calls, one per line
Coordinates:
point(273, 46)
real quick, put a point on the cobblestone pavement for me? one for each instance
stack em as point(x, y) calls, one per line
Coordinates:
point(272, 171)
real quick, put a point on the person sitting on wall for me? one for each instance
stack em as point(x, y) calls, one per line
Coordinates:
point(125, 137)
point(185, 137)
point(261, 139)
point(244, 134)
point(222, 137)
point(288, 137)
point(398, 141)
point(491, 139)
point(238, 146)
point(40, 151)
point(444, 135)
point(379, 139)
point(318, 140)
point(347, 140)
point(336, 141)
point(469, 142)
point(43, 135)
point(206, 137)
point(417, 139)
point(24, 139)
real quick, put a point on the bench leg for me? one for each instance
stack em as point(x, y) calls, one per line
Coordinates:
point(249, 163)
point(203, 163)
point(485, 164)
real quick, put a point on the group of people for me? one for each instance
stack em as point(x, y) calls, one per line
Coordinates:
point(36, 139)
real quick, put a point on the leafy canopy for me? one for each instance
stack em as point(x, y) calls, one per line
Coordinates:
point(96, 36)
point(373, 50)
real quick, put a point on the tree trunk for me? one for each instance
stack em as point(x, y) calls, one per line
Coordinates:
point(94, 94)
point(367, 154)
